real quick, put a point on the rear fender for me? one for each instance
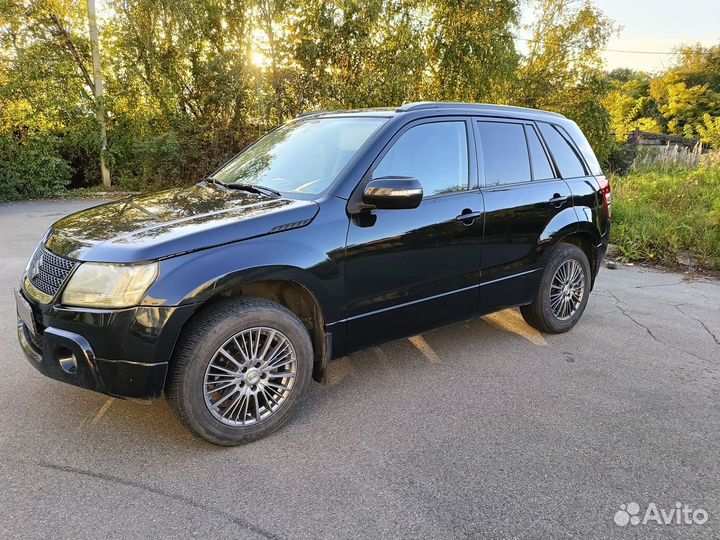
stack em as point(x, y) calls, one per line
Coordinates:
point(563, 223)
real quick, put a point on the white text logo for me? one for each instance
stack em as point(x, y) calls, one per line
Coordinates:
point(680, 514)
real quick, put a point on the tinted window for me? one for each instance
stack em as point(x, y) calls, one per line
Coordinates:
point(303, 156)
point(504, 153)
point(582, 143)
point(436, 154)
point(565, 156)
point(540, 162)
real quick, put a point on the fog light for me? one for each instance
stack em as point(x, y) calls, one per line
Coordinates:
point(67, 360)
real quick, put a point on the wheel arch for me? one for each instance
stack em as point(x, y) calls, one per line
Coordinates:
point(586, 242)
point(293, 295)
point(566, 228)
point(263, 270)
point(302, 302)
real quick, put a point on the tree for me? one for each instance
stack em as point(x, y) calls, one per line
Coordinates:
point(675, 102)
point(46, 103)
point(190, 82)
point(629, 105)
point(98, 90)
point(709, 130)
point(180, 96)
point(471, 51)
point(563, 68)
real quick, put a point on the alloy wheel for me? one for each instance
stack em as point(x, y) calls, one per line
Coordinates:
point(250, 376)
point(567, 289)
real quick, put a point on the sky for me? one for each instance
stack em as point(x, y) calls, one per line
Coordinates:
point(658, 25)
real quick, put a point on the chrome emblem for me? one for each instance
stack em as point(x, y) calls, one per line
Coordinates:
point(35, 268)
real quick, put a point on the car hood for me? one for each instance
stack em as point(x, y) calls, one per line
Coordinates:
point(171, 222)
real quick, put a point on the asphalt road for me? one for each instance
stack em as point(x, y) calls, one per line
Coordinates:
point(482, 429)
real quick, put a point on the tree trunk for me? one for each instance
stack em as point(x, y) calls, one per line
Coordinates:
point(98, 90)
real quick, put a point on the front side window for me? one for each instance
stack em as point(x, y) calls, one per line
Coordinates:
point(505, 157)
point(436, 154)
point(304, 156)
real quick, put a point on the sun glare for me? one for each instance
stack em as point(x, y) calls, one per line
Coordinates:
point(259, 59)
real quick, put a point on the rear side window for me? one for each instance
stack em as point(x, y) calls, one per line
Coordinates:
point(582, 143)
point(542, 170)
point(505, 158)
point(566, 158)
point(436, 154)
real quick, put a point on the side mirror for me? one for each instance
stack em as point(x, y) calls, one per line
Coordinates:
point(393, 193)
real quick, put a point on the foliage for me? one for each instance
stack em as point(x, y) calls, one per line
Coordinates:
point(471, 53)
point(709, 130)
point(669, 204)
point(562, 71)
point(684, 100)
point(190, 82)
point(32, 169)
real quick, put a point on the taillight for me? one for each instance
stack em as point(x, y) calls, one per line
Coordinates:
point(606, 195)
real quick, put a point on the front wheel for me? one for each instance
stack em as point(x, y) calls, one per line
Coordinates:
point(563, 293)
point(240, 370)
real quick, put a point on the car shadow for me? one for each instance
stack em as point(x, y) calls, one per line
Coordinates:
point(102, 421)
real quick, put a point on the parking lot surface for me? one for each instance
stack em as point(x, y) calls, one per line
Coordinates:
point(482, 429)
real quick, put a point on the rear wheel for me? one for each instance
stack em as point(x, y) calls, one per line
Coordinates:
point(563, 293)
point(240, 370)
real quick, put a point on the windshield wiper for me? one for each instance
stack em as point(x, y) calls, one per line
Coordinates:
point(264, 190)
point(252, 188)
point(211, 180)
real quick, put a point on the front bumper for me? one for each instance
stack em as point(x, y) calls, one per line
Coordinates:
point(69, 358)
point(122, 353)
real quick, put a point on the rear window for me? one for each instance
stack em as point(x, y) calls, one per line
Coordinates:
point(505, 157)
point(566, 157)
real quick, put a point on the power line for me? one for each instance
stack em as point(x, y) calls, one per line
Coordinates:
point(627, 51)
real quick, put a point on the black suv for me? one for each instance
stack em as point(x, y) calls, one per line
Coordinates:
point(333, 233)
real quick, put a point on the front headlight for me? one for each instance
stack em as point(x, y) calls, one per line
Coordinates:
point(109, 285)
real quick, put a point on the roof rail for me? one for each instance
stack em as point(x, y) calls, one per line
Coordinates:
point(422, 105)
point(319, 111)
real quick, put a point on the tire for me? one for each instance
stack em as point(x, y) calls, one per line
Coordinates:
point(200, 367)
point(540, 313)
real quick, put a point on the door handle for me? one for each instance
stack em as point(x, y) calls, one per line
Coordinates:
point(467, 216)
point(558, 200)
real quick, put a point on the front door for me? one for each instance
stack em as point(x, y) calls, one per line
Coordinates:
point(411, 270)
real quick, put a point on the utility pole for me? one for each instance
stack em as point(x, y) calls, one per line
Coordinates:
point(98, 90)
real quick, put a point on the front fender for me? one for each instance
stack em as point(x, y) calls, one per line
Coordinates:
point(195, 277)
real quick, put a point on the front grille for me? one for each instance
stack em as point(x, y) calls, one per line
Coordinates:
point(48, 271)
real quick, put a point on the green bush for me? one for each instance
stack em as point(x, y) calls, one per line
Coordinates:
point(658, 214)
point(145, 162)
point(32, 169)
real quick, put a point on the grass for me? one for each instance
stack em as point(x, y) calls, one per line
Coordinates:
point(669, 204)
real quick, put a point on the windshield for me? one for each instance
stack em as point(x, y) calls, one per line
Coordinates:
point(303, 156)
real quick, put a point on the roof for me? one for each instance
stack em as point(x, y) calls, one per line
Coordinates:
point(486, 108)
point(370, 111)
point(479, 107)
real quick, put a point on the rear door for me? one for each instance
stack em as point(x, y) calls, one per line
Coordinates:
point(523, 194)
point(579, 173)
